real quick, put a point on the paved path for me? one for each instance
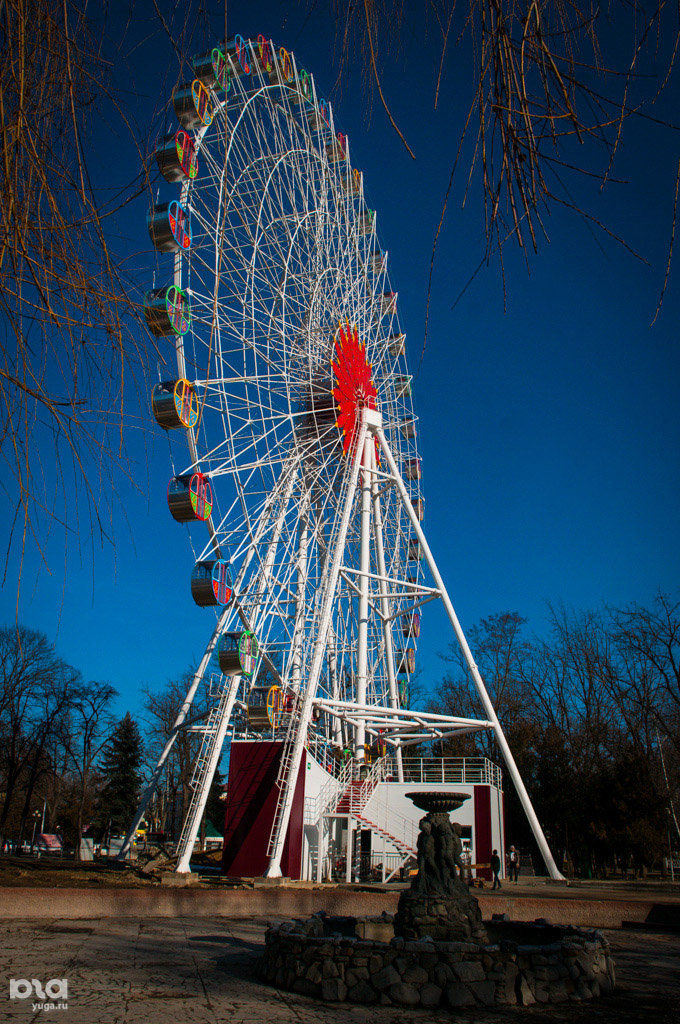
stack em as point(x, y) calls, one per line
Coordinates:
point(183, 971)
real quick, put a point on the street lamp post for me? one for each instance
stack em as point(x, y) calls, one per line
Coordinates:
point(36, 815)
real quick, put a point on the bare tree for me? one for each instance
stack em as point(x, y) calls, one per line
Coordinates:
point(500, 650)
point(91, 723)
point(580, 708)
point(648, 641)
point(161, 708)
point(549, 98)
point(542, 80)
point(69, 347)
point(36, 690)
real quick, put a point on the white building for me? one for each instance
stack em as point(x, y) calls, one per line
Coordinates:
point(333, 802)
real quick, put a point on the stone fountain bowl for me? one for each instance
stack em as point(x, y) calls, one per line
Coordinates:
point(438, 802)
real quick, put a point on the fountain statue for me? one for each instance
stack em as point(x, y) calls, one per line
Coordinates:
point(438, 902)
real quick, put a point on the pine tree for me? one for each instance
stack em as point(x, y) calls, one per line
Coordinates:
point(121, 778)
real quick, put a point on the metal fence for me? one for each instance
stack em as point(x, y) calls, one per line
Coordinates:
point(467, 770)
point(470, 771)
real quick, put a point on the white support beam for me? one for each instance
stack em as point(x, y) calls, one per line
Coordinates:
point(300, 597)
point(365, 566)
point(403, 714)
point(384, 604)
point(234, 608)
point(280, 826)
point(197, 806)
point(177, 727)
point(470, 662)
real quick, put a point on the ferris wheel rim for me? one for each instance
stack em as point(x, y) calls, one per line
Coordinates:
point(281, 449)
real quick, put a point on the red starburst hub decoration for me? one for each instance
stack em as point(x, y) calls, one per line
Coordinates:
point(354, 388)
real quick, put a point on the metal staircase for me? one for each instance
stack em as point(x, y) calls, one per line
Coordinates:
point(356, 793)
point(401, 832)
point(349, 795)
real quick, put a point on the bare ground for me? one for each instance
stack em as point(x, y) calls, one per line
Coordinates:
point(205, 972)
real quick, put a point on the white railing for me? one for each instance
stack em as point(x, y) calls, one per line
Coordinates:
point(422, 771)
point(360, 795)
point(386, 819)
point(326, 800)
point(399, 831)
point(330, 795)
point(467, 770)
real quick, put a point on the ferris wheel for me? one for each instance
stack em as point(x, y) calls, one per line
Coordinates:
point(292, 429)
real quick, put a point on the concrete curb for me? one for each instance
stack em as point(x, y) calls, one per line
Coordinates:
point(24, 903)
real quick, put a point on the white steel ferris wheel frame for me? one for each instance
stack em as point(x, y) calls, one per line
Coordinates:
point(328, 572)
point(365, 467)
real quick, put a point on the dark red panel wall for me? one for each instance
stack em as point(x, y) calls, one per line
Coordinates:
point(251, 803)
point(483, 829)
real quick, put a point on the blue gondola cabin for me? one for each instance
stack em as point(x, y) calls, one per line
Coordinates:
point(237, 653)
point(413, 469)
point(406, 662)
point(193, 105)
point(411, 625)
point(169, 227)
point(175, 404)
point(176, 157)
point(167, 312)
point(213, 70)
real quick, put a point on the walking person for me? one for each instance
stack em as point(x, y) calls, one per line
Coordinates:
point(514, 865)
point(496, 867)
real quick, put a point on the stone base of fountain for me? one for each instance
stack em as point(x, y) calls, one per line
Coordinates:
point(452, 918)
point(519, 964)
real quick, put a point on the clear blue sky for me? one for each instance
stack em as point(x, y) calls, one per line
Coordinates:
point(549, 430)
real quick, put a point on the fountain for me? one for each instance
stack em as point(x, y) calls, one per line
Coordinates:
point(441, 954)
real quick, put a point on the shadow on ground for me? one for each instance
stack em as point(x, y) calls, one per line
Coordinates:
point(159, 970)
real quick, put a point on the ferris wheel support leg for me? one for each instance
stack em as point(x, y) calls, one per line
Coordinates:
point(472, 666)
point(385, 608)
point(184, 710)
point(191, 826)
point(300, 595)
point(287, 485)
point(365, 566)
point(285, 802)
point(336, 725)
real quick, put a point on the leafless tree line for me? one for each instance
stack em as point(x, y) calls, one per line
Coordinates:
point(161, 706)
point(54, 728)
point(592, 712)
